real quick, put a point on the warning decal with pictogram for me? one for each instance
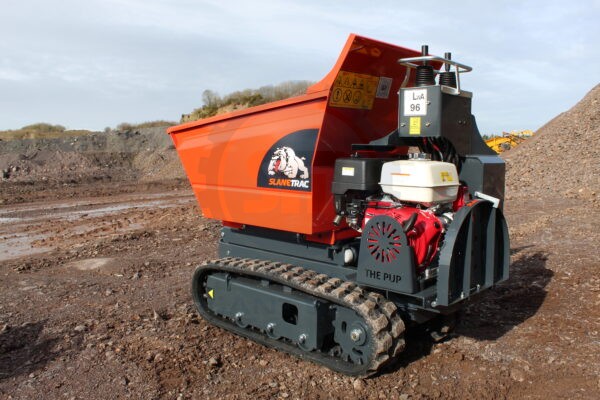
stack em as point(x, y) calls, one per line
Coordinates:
point(353, 90)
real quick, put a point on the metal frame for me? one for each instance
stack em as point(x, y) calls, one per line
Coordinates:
point(459, 68)
point(259, 304)
point(474, 257)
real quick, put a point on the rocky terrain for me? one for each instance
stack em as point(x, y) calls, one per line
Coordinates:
point(95, 273)
point(563, 158)
point(125, 160)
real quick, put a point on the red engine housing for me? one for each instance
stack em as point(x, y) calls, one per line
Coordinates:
point(425, 235)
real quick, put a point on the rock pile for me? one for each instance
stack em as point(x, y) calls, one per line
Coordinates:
point(562, 159)
point(134, 155)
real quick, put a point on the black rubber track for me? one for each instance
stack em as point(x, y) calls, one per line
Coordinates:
point(386, 328)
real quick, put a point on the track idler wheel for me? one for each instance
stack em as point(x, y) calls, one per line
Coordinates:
point(352, 337)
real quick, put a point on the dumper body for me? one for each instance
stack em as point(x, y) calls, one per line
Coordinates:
point(364, 207)
point(226, 157)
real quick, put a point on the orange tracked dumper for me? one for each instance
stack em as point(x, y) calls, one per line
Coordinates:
point(366, 205)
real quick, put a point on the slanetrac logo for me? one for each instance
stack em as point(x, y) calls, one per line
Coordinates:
point(287, 164)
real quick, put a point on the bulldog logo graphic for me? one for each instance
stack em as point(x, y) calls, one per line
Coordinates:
point(286, 162)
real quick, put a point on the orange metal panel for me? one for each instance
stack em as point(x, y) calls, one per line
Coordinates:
point(222, 161)
point(224, 156)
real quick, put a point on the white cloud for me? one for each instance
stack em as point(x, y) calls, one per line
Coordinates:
point(11, 74)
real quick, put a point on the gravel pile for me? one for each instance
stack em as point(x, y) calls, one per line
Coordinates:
point(135, 155)
point(562, 159)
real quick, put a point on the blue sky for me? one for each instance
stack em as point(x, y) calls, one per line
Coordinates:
point(91, 64)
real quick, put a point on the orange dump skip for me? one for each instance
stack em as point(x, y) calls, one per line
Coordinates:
point(272, 166)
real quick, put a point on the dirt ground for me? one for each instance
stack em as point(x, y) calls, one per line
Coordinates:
point(99, 238)
point(95, 303)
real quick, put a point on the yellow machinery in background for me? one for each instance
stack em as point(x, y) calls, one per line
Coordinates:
point(508, 140)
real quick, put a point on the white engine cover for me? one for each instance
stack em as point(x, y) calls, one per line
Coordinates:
point(420, 181)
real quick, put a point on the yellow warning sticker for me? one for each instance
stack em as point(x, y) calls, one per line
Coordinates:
point(446, 177)
point(414, 127)
point(211, 293)
point(348, 171)
point(351, 90)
